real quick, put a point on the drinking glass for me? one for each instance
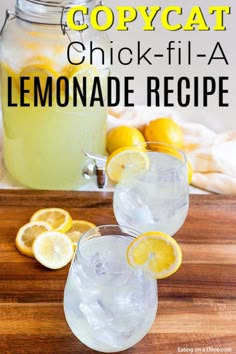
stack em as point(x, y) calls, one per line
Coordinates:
point(108, 304)
point(156, 199)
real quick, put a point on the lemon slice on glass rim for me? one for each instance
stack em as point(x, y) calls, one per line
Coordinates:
point(127, 161)
point(157, 253)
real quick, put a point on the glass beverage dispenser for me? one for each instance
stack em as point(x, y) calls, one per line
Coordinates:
point(43, 144)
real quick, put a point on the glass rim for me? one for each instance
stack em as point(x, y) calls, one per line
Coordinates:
point(133, 234)
point(181, 152)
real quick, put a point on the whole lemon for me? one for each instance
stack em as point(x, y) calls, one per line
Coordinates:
point(164, 130)
point(123, 136)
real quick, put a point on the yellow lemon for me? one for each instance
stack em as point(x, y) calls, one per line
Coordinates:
point(126, 162)
point(59, 219)
point(164, 130)
point(27, 234)
point(123, 136)
point(156, 252)
point(53, 249)
point(77, 229)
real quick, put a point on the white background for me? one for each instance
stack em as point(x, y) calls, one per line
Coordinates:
point(202, 42)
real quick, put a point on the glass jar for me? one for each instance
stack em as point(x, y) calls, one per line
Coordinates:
point(43, 142)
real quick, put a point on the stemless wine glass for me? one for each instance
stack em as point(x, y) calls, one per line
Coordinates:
point(108, 304)
point(156, 199)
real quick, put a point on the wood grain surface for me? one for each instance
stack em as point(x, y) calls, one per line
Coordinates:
point(197, 305)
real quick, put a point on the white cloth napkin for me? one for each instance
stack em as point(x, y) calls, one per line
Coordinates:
point(213, 156)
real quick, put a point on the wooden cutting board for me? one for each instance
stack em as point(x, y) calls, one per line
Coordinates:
point(197, 305)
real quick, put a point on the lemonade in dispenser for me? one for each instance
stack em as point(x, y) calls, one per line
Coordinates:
point(46, 130)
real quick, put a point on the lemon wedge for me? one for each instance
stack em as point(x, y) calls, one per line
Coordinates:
point(53, 249)
point(27, 234)
point(126, 161)
point(77, 229)
point(59, 219)
point(156, 252)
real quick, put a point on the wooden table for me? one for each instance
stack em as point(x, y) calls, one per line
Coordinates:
point(197, 305)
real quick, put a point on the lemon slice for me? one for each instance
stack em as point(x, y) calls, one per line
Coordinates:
point(59, 219)
point(80, 71)
point(41, 71)
point(156, 252)
point(27, 234)
point(70, 70)
point(126, 161)
point(53, 249)
point(78, 228)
